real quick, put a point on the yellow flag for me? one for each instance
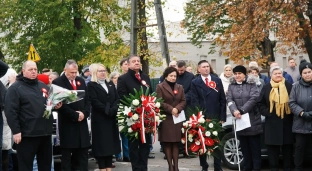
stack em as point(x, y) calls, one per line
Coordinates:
point(32, 54)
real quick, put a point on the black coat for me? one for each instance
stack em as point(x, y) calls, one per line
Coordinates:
point(277, 131)
point(73, 134)
point(25, 106)
point(213, 102)
point(128, 82)
point(3, 70)
point(104, 125)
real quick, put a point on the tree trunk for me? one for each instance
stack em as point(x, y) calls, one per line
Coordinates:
point(1, 55)
point(77, 24)
point(307, 37)
point(143, 38)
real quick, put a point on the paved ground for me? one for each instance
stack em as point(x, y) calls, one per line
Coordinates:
point(159, 164)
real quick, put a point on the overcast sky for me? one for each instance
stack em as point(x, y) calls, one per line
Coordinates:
point(172, 10)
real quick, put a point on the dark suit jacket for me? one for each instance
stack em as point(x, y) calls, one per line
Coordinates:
point(128, 82)
point(73, 134)
point(213, 103)
point(104, 125)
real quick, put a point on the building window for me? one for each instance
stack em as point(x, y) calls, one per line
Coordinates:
point(300, 58)
point(213, 64)
point(227, 61)
point(284, 62)
point(203, 57)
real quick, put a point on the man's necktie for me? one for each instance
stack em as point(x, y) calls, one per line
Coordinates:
point(207, 84)
point(73, 85)
point(138, 76)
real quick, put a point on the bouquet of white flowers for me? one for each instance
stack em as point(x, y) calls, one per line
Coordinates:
point(59, 94)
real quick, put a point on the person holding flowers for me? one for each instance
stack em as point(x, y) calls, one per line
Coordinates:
point(104, 105)
point(72, 120)
point(242, 98)
point(174, 102)
point(127, 83)
point(208, 95)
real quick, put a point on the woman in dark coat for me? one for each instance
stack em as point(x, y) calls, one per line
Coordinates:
point(104, 103)
point(242, 99)
point(278, 119)
point(174, 102)
point(300, 105)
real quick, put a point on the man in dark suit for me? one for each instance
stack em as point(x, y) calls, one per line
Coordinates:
point(207, 93)
point(72, 120)
point(135, 79)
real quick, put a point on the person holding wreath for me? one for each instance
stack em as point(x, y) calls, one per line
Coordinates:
point(208, 95)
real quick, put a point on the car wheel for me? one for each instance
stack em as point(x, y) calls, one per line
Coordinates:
point(229, 152)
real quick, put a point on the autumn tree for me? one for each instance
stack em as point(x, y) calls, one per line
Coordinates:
point(61, 30)
point(240, 28)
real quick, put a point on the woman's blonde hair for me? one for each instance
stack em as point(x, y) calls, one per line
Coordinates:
point(95, 68)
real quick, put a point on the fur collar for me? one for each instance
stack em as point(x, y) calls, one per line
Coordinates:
point(248, 80)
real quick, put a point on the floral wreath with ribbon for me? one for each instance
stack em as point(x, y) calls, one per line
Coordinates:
point(200, 135)
point(139, 113)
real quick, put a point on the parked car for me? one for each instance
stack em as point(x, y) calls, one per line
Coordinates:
point(229, 150)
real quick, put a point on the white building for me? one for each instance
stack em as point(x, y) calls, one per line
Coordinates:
point(182, 49)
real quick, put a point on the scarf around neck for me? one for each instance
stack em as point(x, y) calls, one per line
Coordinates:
point(279, 98)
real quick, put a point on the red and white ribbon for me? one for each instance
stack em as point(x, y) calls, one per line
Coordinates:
point(142, 132)
point(194, 121)
point(147, 101)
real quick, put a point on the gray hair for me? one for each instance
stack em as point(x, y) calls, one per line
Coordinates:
point(275, 68)
point(71, 62)
point(54, 73)
point(131, 56)
point(253, 63)
point(113, 74)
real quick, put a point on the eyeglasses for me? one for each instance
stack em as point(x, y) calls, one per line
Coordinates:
point(102, 70)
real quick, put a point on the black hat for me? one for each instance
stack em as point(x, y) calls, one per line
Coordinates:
point(240, 68)
point(304, 64)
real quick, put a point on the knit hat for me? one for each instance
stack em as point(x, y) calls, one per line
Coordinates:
point(304, 64)
point(85, 69)
point(43, 78)
point(240, 68)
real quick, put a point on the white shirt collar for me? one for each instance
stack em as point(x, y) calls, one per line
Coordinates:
point(204, 78)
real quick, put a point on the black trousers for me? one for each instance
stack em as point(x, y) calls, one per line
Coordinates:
point(251, 149)
point(31, 146)
point(5, 160)
point(82, 158)
point(139, 152)
point(302, 141)
point(216, 160)
point(273, 153)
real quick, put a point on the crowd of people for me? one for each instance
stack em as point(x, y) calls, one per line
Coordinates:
point(281, 97)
